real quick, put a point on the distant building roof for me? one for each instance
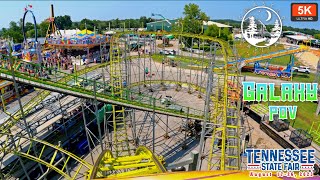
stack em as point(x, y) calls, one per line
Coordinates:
point(110, 32)
point(68, 33)
point(299, 37)
point(293, 33)
point(220, 25)
point(160, 25)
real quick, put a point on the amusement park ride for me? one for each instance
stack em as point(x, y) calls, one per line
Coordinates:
point(32, 50)
point(52, 28)
point(121, 155)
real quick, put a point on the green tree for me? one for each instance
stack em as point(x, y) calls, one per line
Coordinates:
point(13, 26)
point(86, 23)
point(63, 22)
point(29, 26)
point(43, 27)
point(192, 22)
point(177, 27)
point(193, 18)
point(116, 23)
point(317, 36)
point(14, 31)
point(16, 35)
point(75, 25)
point(30, 33)
point(143, 21)
point(212, 31)
point(225, 34)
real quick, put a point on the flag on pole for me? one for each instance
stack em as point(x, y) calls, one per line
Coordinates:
point(30, 6)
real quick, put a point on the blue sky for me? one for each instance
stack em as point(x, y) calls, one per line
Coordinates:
point(104, 10)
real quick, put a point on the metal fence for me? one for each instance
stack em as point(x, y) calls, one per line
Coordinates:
point(280, 125)
point(301, 138)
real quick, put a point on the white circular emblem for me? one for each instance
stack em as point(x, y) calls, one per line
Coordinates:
point(254, 26)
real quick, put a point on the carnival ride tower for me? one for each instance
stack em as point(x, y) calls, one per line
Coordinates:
point(32, 49)
point(52, 28)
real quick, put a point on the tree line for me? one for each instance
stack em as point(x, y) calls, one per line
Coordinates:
point(237, 24)
point(191, 22)
point(64, 22)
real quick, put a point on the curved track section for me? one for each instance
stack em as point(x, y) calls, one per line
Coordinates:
point(225, 122)
point(271, 55)
point(44, 93)
point(22, 146)
point(143, 162)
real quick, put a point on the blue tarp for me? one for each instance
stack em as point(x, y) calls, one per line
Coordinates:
point(16, 47)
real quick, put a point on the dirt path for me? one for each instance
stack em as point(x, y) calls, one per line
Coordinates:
point(259, 139)
point(309, 59)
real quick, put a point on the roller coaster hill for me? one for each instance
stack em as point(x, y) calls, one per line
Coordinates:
point(115, 124)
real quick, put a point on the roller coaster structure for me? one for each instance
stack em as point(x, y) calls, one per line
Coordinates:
point(52, 28)
point(220, 118)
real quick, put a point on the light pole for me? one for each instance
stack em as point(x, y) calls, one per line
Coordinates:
point(163, 46)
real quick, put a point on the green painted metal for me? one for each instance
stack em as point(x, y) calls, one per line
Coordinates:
point(109, 107)
point(139, 101)
point(65, 78)
point(101, 113)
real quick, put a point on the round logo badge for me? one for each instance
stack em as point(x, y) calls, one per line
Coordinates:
point(261, 26)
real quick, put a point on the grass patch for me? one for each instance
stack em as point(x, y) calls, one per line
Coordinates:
point(245, 50)
point(284, 61)
point(186, 62)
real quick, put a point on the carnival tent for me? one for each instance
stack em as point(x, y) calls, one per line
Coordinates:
point(85, 32)
point(110, 32)
point(69, 33)
point(170, 36)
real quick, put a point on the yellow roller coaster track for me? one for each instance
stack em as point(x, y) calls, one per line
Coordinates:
point(219, 116)
point(276, 54)
point(44, 93)
point(142, 163)
point(13, 144)
point(121, 142)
